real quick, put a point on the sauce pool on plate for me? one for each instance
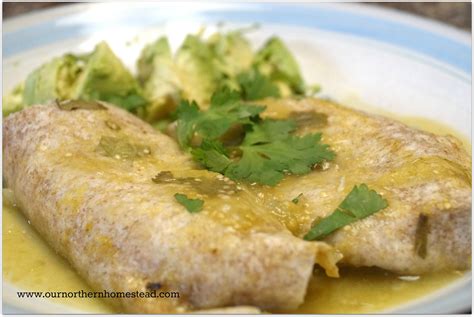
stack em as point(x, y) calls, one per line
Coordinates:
point(30, 264)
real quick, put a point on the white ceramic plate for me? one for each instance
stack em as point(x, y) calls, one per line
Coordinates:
point(362, 56)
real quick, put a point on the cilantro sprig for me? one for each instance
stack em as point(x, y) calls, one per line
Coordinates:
point(226, 109)
point(360, 203)
point(268, 151)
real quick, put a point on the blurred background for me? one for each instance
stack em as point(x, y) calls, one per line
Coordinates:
point(457, 14)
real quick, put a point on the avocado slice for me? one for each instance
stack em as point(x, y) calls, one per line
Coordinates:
point(233, 56)
point(158, 76)
point(53, 80)
point(197, 71)
point(276, 61)
point(13, 101)
point(99, 75)
point(106, 78)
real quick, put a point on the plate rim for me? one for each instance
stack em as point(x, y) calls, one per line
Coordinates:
point(455, 50)
point(28, 19)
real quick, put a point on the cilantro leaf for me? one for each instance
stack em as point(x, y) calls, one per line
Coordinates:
point(226, 110)
point(266, 163)
point(192, 205)
point(360, 203)
point(254, 86)
point(268, 152)
point(269, 130)
point(212, 155)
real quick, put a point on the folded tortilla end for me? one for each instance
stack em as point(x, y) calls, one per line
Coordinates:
point(327, 257)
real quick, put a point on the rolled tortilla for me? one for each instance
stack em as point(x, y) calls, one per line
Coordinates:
point(426, 179)
point(99, 185)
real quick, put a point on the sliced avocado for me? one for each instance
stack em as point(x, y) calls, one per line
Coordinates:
point(158, 50)
point(276, 61)
point(99, 75)
point(196, 69)
point(202, 66)
point(232, 51)
point(13, 101)
point(158, 75)
point(53, 80)
point(106, 78)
